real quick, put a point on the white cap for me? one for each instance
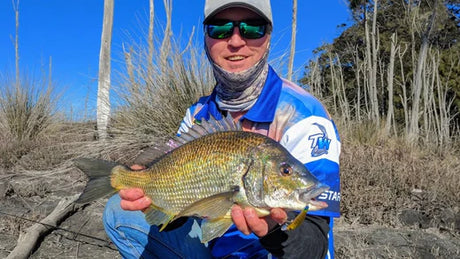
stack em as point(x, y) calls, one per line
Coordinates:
point(261, 7)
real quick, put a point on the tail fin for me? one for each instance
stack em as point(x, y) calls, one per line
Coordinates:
point(99, 172)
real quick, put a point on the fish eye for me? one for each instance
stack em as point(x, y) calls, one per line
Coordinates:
point(285, 169)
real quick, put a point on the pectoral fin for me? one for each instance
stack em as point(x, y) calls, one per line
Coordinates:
point(215, 228)
point(213, 207)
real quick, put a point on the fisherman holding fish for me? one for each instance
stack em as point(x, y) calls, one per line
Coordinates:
point(237, 41)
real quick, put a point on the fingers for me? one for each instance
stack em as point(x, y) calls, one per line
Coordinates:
point(278, 215)
point(136, 167)
point(239, 220)
point(134, 199)
point(131, 194)
point(140, 204)
point(257, 225)
point(247, 221)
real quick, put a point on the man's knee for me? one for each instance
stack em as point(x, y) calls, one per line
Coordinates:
point(111, 207)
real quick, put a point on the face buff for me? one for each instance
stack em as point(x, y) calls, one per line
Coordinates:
point(238, 91)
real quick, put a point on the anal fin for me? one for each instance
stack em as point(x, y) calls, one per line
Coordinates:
point(154, 216)
point(215, 228)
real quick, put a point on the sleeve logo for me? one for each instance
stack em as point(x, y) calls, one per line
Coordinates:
point(319, 142)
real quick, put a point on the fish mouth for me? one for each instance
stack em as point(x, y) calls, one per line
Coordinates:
point(309, 195)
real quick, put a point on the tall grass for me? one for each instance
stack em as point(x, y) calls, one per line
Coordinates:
point(27, 111)
point(155, 102)
point(151, 96)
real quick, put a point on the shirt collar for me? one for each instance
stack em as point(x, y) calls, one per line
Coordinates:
point(263, 110)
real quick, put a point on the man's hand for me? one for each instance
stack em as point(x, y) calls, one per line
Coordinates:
point(247, 220)
point(134, 198)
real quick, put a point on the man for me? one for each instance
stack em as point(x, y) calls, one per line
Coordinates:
point(237, 40)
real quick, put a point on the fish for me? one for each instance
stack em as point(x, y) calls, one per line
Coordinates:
point(213, 166)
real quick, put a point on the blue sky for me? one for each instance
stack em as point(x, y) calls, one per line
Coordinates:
point(69, 32)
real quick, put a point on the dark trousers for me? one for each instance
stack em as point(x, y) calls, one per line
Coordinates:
point(309, 240)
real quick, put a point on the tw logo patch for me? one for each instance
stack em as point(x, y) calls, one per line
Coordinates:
point(319, 142)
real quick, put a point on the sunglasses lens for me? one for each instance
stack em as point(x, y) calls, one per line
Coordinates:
point(220, 31)
point(248, 30)
point(252, 31)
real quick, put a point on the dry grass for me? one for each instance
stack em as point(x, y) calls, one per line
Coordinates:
point(385, 176)
point(27, 111)
point(153, 102)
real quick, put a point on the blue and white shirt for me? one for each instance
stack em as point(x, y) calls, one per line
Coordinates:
point(296, 119)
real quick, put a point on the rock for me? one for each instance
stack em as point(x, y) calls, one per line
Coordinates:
point(414, 218)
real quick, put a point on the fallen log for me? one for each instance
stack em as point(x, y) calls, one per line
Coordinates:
point(27, 240)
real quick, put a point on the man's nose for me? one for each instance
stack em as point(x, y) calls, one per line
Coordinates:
point(236, 40)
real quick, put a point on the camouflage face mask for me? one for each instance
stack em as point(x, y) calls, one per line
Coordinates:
point(238, 91)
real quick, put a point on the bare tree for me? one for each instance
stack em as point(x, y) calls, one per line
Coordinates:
point(372, 47)
point(358, 67)
point(16, 41)
point(418, 80)
point(293, 39)
point(150, 43)
point(103, 88)
point(390, 80)
point(166, 43)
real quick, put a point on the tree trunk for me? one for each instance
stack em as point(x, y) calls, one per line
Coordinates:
point(390, 112)
point(166, 43)
point(103, 88)
point(150, 43)
point(293, 39)
point(375, 47)
point(16, 44)
point(418, 81)
point(358, 84)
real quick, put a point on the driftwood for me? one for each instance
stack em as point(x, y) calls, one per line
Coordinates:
point(27, 240)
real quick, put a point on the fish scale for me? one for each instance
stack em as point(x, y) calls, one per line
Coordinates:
point(190, 178)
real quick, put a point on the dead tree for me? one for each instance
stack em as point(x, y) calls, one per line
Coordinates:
point(16, 43)
point(103, 88)
point(150, 38)
point(293, 39)
point(390, 81)
point(418, 80)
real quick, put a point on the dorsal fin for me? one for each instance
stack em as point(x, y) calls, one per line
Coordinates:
point(155, 152)
point(207, 127)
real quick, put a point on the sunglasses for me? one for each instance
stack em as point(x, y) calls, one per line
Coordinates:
point(249, 29)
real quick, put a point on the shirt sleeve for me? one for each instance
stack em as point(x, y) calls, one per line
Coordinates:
point(187, 121)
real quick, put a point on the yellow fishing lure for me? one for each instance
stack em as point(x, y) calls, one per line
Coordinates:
point(297, 221)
